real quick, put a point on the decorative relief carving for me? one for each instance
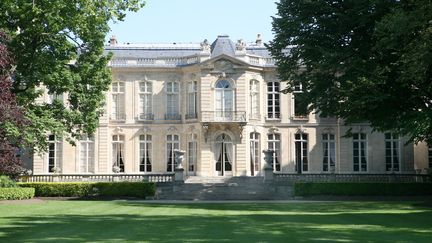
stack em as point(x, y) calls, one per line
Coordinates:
point(240, 45)
point(223, 66)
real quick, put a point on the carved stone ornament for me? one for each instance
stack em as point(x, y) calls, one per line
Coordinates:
point(223, 66)
point(172, 129)
point(205, 46)
point(240, 45)
point(273, 130)
point(118, 130)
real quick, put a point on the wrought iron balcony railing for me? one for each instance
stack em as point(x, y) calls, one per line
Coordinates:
point(223, 116)
point(172, 117)
point(146, 117)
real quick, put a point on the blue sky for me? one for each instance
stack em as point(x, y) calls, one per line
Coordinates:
point(188, 21)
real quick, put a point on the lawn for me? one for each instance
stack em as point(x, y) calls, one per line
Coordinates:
point(123, 221)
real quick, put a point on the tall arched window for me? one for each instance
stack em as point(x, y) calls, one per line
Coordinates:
point(173, 101)
point(118, 101)
point(54, 153)
point(224, 154)
point(224, 100)
point(118, 152)
point(255, 154)
point(301, 152)
point(273, 95)
point(86, 154)
point(274, 143)
point(173, 143)
point(145, 163)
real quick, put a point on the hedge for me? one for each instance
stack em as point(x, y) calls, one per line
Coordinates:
point(16, 193)
point(362, 189)
point(88, 189)
point(6, 181)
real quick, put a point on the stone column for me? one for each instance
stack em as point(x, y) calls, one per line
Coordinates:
point(268, 168)
point(179, 170)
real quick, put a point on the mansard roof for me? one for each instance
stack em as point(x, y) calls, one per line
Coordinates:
point(180, 54)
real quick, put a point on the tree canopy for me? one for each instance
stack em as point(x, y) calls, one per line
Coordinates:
point(361, 60)
point(58, 46)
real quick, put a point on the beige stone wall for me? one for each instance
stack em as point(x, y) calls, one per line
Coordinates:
point(240, 75)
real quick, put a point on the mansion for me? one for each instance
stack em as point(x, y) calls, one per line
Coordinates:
point(221, 103)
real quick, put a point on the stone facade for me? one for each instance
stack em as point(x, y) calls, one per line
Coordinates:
point(221, 104)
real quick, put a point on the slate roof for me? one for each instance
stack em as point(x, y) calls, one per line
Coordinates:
point(222, 45)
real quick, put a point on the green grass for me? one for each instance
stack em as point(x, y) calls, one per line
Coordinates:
point(123, 221)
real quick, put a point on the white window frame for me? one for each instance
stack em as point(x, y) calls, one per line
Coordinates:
point(172, 101)
point(255, 153)
point(118, 101)
point(118, 143)
point(273, 95)
point(145, 95)
point(304, 152)
point(145, 153)
point(192, 152)
point(360, 141)
point(329, 146)
point(172, 143)
point(392, 152)
point(87, 144)
point(254, 92)
point(274, 143)
point(56, 146)
point(192, 105)
point(223, 109)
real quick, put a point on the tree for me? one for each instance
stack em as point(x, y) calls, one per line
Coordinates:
point(12, 116)
point(59, 46)
point(361, 60)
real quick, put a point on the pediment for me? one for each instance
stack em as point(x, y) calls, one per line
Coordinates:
point(224, 63)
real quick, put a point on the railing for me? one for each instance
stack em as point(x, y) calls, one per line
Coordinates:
point(146, 117)
point(179, 61)
point(172, 117)
point(160, 178)
point(118, 117)
point(285, 177)
point(223, 116)
point(191, 116)
point(139, 62)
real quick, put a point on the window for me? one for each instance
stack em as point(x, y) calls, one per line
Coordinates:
point(173, 102)
point(273, 95)
point(145, 101)
point(224, 100)
point(274, 144)
point(300, 106)
point(173, 143)
point(254, 99)
point(192, 100)
point(192, 153)
point(255, 157)
point(118, 152)
point(392, 152)
point(301, 152)
point(55, 98)
point(329, 151)
point(359, 152)
point(54, 154)
point(145, 157)
point(86, 153)
point(430, 156)
point(118, 101)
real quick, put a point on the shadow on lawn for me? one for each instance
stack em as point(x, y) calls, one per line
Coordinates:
point(250, 227)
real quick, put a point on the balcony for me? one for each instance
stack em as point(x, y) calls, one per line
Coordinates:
point(118, 117)
point(191, 116)
point(223, 116)
point(172, 117)
point(146, 117)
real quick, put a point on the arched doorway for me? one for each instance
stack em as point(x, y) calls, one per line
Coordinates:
point(224, 155)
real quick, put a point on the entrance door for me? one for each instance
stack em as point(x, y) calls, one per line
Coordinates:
point(224, 155)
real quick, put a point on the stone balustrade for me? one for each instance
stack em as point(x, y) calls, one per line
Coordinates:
point(157, 178)
point(290, 178)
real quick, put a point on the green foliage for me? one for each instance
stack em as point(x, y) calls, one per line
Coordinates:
point(16, 193)
point(58, 47)
point(60, 189)
point(362, 189)
point(86, 189)
point(6, 181)
point(360, 60)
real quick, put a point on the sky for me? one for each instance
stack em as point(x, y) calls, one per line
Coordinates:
point(192, 21)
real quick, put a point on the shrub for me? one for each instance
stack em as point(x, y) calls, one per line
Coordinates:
point(85, 189)
point(16, 193)
point(60, 189)
point(363, 189)
point(5, 181)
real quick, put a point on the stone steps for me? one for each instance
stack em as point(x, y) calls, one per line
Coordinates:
point(225, 188)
